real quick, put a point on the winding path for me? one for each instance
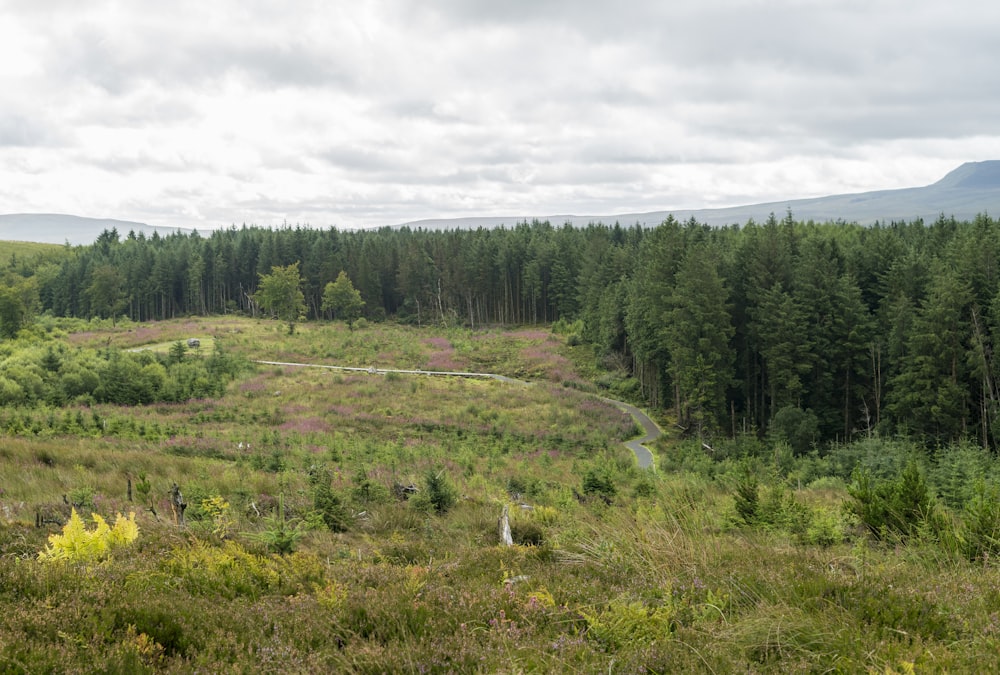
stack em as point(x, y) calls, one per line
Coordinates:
point(643, 455)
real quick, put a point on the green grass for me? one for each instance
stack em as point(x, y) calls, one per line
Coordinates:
point(664, 578)
point(26, 249)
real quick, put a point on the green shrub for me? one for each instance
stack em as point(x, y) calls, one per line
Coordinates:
point(799, 428)
point(598, 482)
point(81, 497)
point(230, 571)
point(281, 535)
point(438, 494)
point(329, 505)
point(896, 506)
point(160, 625)
point(981, 523)
point(629, 622)
point(527, 533)
point(368, 491)
point(747, 497)
point(825, 529)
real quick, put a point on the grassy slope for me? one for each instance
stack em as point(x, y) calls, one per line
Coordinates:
point(25, 249)
point(660, 580)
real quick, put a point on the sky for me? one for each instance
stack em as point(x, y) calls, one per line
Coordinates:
point(378, 112)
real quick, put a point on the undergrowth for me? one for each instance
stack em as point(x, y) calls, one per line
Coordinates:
point(348, 522)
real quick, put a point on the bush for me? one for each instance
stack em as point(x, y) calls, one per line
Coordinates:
point(746, 497)
point(981, 523)
point(329, 505)
point(891, 506)
point(527, 533)
point(597, 481)
point(799, 428)
point(630, 623)
point(824, 529)
point(438, 494)
point(368, 491)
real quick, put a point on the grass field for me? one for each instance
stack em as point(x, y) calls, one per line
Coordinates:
point(306, 549)
point(26, 249)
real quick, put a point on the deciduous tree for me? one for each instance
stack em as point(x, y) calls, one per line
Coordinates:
point(280, 293)
point(343, 300)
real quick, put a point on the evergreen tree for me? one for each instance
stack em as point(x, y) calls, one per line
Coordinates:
point(929, 396)
point(697, 333)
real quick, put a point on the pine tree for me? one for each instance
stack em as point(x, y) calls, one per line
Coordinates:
point(697, 333)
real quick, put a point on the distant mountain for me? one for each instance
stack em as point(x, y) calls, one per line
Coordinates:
point(54, 228)
point(970, 190)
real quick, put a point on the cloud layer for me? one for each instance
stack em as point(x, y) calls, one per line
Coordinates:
point(197, 114)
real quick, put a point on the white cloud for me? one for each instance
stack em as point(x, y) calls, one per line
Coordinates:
point(382, 111)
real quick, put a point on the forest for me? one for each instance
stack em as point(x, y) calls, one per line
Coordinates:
point(815, 332)
point(180, 493)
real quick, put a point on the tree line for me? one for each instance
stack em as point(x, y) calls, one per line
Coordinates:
point(814, 331)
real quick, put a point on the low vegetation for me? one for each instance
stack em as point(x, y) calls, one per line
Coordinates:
point(296, 519)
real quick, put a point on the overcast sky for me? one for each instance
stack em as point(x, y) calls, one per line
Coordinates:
point(328, 112)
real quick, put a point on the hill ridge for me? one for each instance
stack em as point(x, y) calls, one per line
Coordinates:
point(965, 192)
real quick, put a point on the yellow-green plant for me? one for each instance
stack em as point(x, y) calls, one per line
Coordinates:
point(78, 544)
point(217, 510)
point(625, 622)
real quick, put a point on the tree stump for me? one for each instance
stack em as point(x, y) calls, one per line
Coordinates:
point(177, 504)
point(504, 527)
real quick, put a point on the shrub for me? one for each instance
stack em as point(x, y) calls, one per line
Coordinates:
point(527, 533)
point(746, 497)
point(824, 529)
point(799, 428)
point(230, 571)
point(629, 622)
point(898, 506)
point(981, 523)
point(281, 535)
point(597, 481)
point(78, 544)
point(368, 491)
point(329, 505)
point(439, 493)
point(216, 509)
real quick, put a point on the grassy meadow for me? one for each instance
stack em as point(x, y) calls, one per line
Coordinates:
point(26, 249)
point(347, 522)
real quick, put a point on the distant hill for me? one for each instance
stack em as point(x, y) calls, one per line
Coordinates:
point(971, 189)
point(54, 228)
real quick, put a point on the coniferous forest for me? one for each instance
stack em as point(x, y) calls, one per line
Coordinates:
point(820, 332)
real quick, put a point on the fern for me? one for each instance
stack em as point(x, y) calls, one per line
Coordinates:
point(78, 544)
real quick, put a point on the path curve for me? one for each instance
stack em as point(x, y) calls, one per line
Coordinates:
point(638, 445)
point(643, 454)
